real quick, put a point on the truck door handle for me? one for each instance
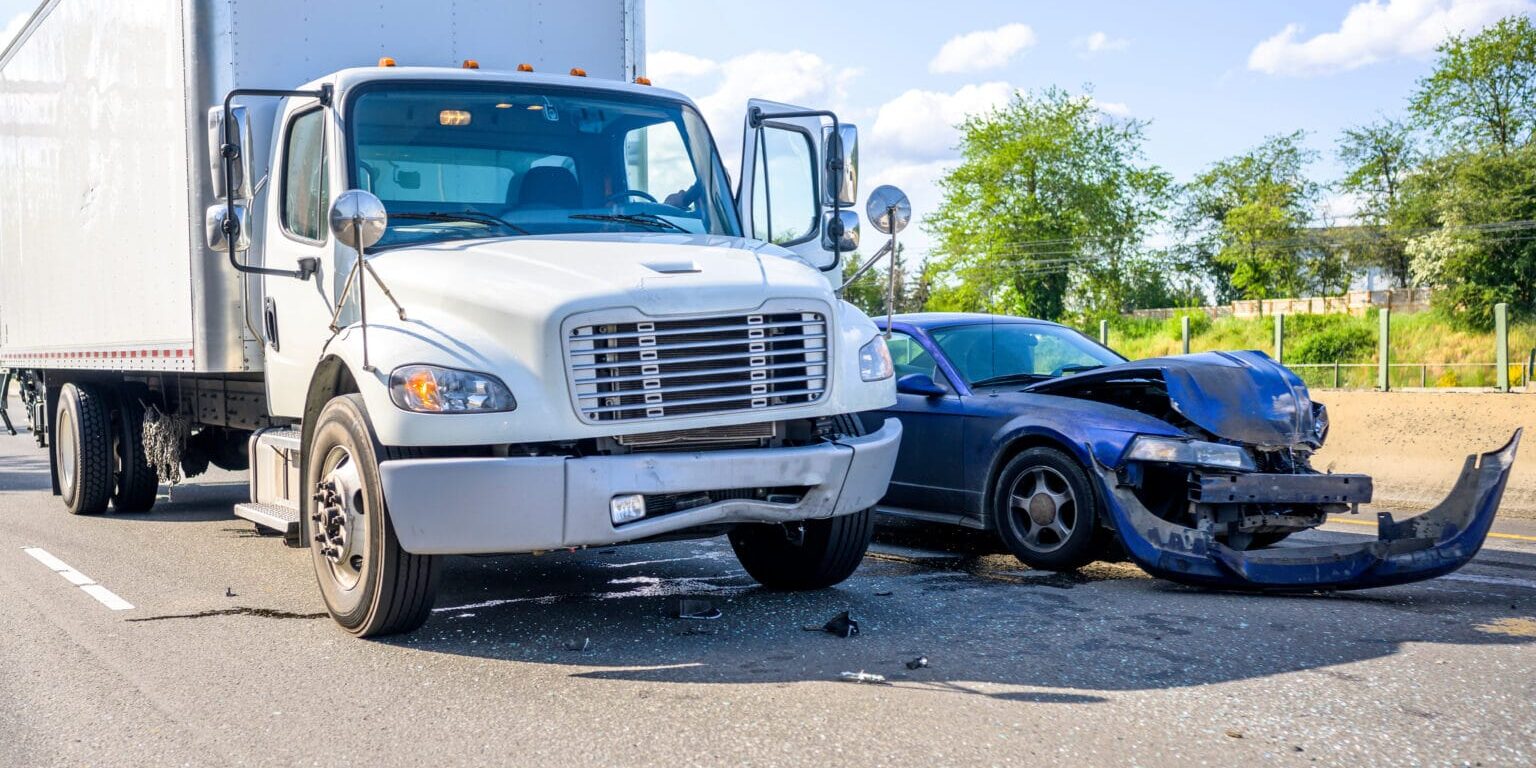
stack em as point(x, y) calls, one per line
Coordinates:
point(269, 322)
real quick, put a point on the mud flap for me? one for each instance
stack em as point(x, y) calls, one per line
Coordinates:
point(1421, 547)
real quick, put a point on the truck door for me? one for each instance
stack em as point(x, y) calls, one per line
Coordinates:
point(296, 313)
point(790, 193)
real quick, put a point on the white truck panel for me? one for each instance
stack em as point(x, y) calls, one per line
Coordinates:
point(103, 114)
point(93, 211)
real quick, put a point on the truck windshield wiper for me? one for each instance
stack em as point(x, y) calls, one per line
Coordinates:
point(475, 216)
point(642, 219)
point(1009, 378)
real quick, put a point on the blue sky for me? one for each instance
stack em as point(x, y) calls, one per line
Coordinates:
point(1212, 77)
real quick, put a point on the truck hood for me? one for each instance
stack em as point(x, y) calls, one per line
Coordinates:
point(1245, 397)
point(659, 274)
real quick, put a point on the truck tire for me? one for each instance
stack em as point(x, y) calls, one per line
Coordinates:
point(135, 482)
point(82, 449)
point(1045, 511)
point(812, 554)
point(371, 586)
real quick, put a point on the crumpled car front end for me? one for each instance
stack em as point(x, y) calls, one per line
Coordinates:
point(1213, 509)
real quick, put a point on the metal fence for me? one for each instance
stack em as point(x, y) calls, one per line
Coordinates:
point(1504, 373)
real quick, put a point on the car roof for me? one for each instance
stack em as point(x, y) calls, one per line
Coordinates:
point(926, 320)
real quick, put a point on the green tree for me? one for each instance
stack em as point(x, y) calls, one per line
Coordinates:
point(1245, 220)
point(1483, 252)
point(1378, 158)
point(1046, 186)
point(1482, 92)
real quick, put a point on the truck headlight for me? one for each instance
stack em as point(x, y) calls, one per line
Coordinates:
point(430, 389)
point(1166, 450)
point(875, 360)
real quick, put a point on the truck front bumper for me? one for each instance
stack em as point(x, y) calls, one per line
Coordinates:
point(526, 504)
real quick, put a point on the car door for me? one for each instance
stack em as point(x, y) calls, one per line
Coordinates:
point(929, 464)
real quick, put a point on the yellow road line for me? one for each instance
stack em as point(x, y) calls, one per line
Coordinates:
point(1372, 523)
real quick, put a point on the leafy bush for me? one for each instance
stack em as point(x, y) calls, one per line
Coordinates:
point(1173, 327)
point(1335, 343)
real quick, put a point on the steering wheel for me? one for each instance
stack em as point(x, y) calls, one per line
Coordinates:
point(619, 197)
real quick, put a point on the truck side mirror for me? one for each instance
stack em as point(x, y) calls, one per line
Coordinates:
point(840, 150)
point(844, 226)
point(242, 140)
point(213, 227)
point(358, 218)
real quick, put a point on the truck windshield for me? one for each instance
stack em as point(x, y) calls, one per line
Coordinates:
point(455, 163)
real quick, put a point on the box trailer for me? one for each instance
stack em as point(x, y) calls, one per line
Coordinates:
point(446, 280)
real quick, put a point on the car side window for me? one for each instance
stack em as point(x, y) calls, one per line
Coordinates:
point(306, 194)
point(910, 357)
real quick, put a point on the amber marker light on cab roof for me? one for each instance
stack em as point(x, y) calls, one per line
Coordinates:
point(386, 61)
point(471, 64)
point(642, 80)
point(578, 72)
point(525, 67)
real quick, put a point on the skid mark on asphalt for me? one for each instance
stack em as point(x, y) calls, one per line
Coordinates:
point(86, 584)
point(264, 613)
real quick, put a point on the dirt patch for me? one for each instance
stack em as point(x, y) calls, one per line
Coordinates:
point(1413, 443)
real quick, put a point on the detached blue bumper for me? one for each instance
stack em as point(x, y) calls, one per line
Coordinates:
point(1421, 547)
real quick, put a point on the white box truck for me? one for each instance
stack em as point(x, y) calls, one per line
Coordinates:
point(444, 280)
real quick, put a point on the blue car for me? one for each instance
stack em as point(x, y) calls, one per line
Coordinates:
point(1195, 466)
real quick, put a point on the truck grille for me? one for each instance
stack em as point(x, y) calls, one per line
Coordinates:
point(651, 369)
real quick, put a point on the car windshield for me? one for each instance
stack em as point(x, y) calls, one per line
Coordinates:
point(461, 162)
point(997, 354)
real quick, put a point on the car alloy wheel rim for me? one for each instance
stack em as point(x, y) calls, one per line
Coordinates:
point(1042, 509)
point(340, 524)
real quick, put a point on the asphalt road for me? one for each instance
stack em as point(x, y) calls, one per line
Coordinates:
point(226, 658)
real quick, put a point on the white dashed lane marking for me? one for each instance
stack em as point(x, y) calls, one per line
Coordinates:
point(86, 584)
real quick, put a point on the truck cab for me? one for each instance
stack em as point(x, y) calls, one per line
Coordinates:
point(460, 310)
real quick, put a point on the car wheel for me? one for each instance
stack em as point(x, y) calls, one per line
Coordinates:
point(1045, 510)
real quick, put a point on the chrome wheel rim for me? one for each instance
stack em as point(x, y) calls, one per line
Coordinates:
point(64, 445)
point(1042, 509)
point(340, 521)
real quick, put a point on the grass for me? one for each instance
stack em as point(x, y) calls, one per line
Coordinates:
point(1427, 349)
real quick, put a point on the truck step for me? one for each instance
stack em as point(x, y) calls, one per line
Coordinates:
point(283, 519)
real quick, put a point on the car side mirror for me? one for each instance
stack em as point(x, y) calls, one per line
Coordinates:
point(919, 384)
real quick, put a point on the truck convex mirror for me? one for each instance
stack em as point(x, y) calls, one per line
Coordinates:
point(358, 218)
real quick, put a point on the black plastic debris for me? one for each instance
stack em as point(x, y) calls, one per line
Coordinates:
point(229, 591)
point(861, 676)
point(690, 608)
point(841, 625)
point(884, 593)
point(920, 662)
point(583, 644)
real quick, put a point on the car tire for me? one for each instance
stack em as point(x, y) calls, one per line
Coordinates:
point(82, 449)
point(135, 483)
point(811, 554)
point(371, 586)
point(1045, 510)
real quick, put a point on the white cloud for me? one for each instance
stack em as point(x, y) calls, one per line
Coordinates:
point(921, 183)
point(1101, 42)
point(1374, 31)
point(664, 66)
point(987, 49)
point(1112, 108)
point(793, 77)
point(921, 123)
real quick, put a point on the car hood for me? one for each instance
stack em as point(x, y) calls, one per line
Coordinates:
point(1244, 397)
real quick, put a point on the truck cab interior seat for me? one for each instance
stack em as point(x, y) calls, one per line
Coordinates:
point(547, 186)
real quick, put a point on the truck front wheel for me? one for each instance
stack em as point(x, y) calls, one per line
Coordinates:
point(371, 586)
point(812, 554)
